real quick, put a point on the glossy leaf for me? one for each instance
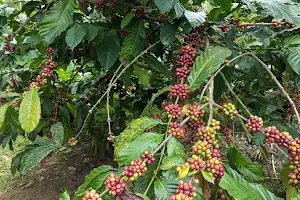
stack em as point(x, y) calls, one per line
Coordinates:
point(142, 75)
point(292, 193)
point(94, 180)
point(195, 18)
point(142, 182)
point(175, 148)
point(284, 172)
point(167, 33)
point(208, 62)
point(164, 5)
point(57, 131)
point(75, 35)
point(135, 148)
point(57, 20)
point(252, 172)
point(108, 49)
point(91, 31)
point(183, 172)
point(292, 40)
point(127, 19)
point(30, 111)
point(156, 65)
point(3, 110)
point(236, 157)
point(164, 188)
point(244, 190)
point(134, 129)
point(234, 174)
point(258, 139)
point(294, 59)
point(171, 161)
point(208, 176)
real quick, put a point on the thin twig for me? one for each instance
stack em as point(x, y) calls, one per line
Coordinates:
point(280, 87)
point(211, 101)
point(234, 94)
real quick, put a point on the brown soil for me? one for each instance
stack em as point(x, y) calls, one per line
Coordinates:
point(55, 174)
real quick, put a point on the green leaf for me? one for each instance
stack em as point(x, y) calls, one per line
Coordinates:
point(30, 6)
point(184, 172)
point(284, 172)
point(3, 110)
point(167, 33)
point(164, 188)
point(175, 148)
point(100, 35)
point(3, 20)
point(244, 190)
point(65, 196)
point(294, 59)
point(135, 128)
point(94, 180)
point(170, 161)
point(57, 131)
point(208, 62)
point(292, 194)
point(292, 40)
point(64, 112)
point(164, 5)
point(142, 182)
point(142, 75)
point(179, 9)
point(195, 18)
point(282, 10)
point(134, 42)
point(252, 172)
point(135, 149)
point(234, 174)
point(148, 108)
point(33, 154)
point(258, 139)
point(57, 20)
point(30, 111)
point(156, 65)
point(127, 20)
point(75, 35)
point(235, 157)
point(91, 31)
point(142, 196)
point(208, 176)
point(108, 49)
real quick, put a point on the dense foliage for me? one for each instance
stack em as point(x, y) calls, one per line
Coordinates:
point(161, 85)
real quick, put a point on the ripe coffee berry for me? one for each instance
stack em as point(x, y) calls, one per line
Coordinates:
point(254, 124)
point(50, 51)
point(223, 28)
point(180, 90)
point(203, 149)
point(8, 47)
point(72, 142)
point(186, 60)
point(230, 110)
point(115, 185)
point(99, 4)
point(182, 72)
point(196, 163)
point(195, 39)
point(140, 12)
point(148, 157)
point(8, 37)
point(158, 116)
point(185, 191)
point(197, 124)
point(208, 134)
point(173, 110)
point(216, 168)
point(188, 50)
point(92, 195)
point(137, 168)
point(226, 131)
point(272, 134)
point(176, 130)
point(123, 32)
point(194, 112)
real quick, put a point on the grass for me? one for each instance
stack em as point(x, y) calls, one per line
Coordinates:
point(5, 161)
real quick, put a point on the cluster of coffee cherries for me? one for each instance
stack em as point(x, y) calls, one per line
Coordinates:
point(229, 109)
point(115, 185)
point(197, 123)
point(72, 142)
point(91, 195)
point(285, 140)
point(234, 21)
point(180, 90)
point(195, 40)
point(137, 168)
point(99, 4)
point(278, 24)
point(8, 46)
point(196, 163)
point(147, 156)
point(208, 134)
point(139, 12)
point(185, 61)
point(223, 28)
point(227, 134)
point(10, 87)
point(254, 124)
point(173, 110)
point(185, 191)
point(176, 130)
point(221, 194)
point(194, 112)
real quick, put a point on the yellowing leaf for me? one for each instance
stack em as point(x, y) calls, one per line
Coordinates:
point(184, 172)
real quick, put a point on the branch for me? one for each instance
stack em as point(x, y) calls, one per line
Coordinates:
point(234, 94)
point(211, 101)
point(280, 87)
point(217, 105)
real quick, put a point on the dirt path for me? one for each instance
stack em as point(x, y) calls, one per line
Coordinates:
point(56, 174)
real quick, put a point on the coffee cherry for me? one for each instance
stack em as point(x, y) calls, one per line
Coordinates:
point(182, 72)
point(180, 90)
point(176, 130)
point(99, 4)
point(230, 110)
point(194, 112)
point(33, 85)
point(8, 47)
point(115, 185)
point(158, 116)
point(139, 12)
point(208, 134)
point(185, 191)
point(188, 50)
point(8, 37)
point(137, 168)
point(197, 124)
point(72, 142)
point(223, 28)
point(123, 32)
point(215, 124)
point(186, 60)
point(195, 40)
point(50, 51)
point(227, 131)
point(92, 195)
point(196, 163)
point(254, 124)
point(147, 156)
point(173, 110)
point(203, 149)
point(216, 168)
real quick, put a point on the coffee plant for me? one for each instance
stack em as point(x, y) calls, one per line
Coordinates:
point(169, 88)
